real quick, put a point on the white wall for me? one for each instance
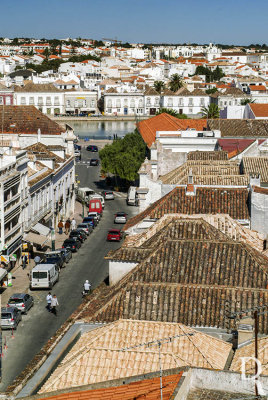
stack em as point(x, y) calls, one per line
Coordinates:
point(118, 269)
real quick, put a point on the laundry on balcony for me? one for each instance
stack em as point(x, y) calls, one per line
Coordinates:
point(41, 229)
point(34, 238)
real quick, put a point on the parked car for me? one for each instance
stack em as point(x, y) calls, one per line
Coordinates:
point(108, 195)
point(120, 218)
point(94, 162)
point(91, 221)
point(72, 244)
point(95, 215)
point(22, 301)
point(44, 276)
point(53, 259)
point(10, 317)
point(66, 254)
point(86, 228)
point(95, 205)
point(92, 148)
point(114, 235)
point(77, 234)
point(77, 147)
point(82, 232)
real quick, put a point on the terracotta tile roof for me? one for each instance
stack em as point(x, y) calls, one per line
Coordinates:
point(258, 189)
point(243, 128)
point(41, 151)
point(166, 122)
point(27, 120)
point(259, 110)
point(99, 356)
point(206, 201)
point(257, 88)
point(151, 92)
point(207, 155)
point(37, 87)
point(207, 173)
point(147, 389)
point(234, 146)
point(256, 165)
point(249, 351)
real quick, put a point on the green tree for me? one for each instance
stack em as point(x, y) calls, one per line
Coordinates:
point(46, 53)
point(246, 101)
point(159, 86)
point(175, 82)
point(212, 111)
point(171, 112)
point(211, 91)
point(124, 156)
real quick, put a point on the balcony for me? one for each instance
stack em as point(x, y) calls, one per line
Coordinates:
point(36, 216)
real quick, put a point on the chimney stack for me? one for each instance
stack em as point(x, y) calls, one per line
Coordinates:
point(245, 329)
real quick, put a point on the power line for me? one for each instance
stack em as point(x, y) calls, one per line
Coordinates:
point(158, 342)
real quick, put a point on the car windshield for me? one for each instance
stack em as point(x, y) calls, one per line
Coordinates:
point(15, 301)
point(113, 232)
point(6, 315)
point(120, 214)
point(82, 226)
point(52, 259)
point(40, 275)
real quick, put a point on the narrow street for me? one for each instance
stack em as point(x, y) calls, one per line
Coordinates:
point(38, 326)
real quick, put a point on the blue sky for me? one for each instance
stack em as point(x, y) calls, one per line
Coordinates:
point(174, 21)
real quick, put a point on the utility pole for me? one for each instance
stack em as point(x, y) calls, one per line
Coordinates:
point(256, 323)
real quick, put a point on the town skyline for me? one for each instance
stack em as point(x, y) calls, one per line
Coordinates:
point(179, 22)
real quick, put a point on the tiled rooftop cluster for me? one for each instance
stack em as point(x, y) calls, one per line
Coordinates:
point(206, 394)
point(205, 201)
point(192, 270)
point(27, 119)
point(256, 166)
point(207, 155)
point(207, 172)
point(240, 127)
point(107, 353)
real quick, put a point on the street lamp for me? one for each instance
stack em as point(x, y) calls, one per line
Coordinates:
point(52, 239)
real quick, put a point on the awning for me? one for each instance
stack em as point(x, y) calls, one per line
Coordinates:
point(41, 229)
point(3, 273)
point(32, 237)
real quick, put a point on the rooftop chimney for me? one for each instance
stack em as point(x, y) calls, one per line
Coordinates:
point(39, 135)
point(245, 329)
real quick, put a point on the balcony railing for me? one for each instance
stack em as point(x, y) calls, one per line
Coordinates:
point(38, 215)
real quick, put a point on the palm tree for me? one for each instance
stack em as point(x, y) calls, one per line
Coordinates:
point(175, 82)
point(159, 86)
point(246, 101)
point(212, 111)
point(172, 112)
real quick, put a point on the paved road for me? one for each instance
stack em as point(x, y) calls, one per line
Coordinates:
point(38, 325)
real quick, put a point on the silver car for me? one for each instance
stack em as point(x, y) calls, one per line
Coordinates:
point(108, 195)
point(22, 301)
point(10, 317)
point(120, 218)
point(85, 227)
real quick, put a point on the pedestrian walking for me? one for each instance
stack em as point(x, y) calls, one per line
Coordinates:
point(60, 226)
point(49, 299)
point(37, 260)
point(54, 304)
point(67, 226)
point(73, 224)
point(24, 259)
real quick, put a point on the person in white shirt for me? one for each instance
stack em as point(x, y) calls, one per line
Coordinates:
point(49, 299)
point(73, 224)
point(87, 287)
point(54, 304)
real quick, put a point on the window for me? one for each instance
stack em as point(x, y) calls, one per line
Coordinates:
point(132, 104)
point(109, 110)
point(202, 101)
point(23, 101)
point(191, 102)
point(84, 103)
point(156, 101)
point(170, 102)
point(40, 101)
point(92, 103)
point(48, 101)
point(56, 101)
point(1, 100)
point(68, 103)
point(118, 103)
point(76, 103)
point(109, 103)
point(148, 103)
point(140, 103)
point(31, 101)
point(8, 100)
point(118, 109)
point(190, 110)
point(181, 101)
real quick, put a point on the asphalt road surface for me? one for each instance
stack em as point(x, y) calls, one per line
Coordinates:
point(38, 326)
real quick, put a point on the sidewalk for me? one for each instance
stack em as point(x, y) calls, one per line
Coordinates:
point(20, 277)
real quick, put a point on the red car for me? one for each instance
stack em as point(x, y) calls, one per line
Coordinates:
point(114, 235)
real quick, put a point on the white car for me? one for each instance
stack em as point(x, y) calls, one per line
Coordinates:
point(120, 218)
point(95, 215)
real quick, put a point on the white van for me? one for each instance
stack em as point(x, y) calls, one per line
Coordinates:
point(132, 196)
point(44, 276)
point(83, 194)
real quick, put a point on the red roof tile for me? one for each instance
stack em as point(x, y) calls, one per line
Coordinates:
point(166, 122)
point(259, 110)
point(148, 389)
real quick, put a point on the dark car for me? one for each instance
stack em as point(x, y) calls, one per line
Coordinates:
point(82, 232)
point(94, 162)
point(55, 254)
point(55, 259)
point(66, 254)
point(77, 147)
point(22, 301)
point(77, 234)
point(90, 220)
point(72, 244)
point(114, 235)
point(92, 148)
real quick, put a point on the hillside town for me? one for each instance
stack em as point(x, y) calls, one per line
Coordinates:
point(133, 267)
